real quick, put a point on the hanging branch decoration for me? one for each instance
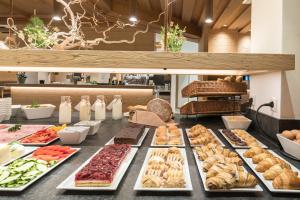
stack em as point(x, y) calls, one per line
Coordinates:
point(74, 36)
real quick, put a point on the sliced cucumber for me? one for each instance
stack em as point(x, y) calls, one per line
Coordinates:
point(4, 175)
point(31, 174)
point(10, 179)
point(41, 167)
point(25, 167)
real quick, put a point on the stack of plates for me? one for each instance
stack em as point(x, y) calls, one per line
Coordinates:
point(5, 108)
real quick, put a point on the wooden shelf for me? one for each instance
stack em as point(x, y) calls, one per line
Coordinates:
point(95, 60)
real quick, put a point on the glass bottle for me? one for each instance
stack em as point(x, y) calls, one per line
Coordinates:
point(65, 110)
point(100, 109)
point(85, 109)
point(117, 107)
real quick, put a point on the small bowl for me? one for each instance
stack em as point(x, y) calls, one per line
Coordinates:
point(289, 146)
point(93, 125)
point(240, 123)
point(44, 111)
point(73, 134)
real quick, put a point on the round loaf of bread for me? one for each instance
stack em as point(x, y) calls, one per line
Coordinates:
point(160, 107)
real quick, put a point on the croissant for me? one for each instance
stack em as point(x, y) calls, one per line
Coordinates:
point(287, 180)
point(223, 167)
point(152, 181)
point(245, 180)
point(253, 151)
point(196, 127)
point(274, 171)
point(209, 162)
point(222, 180)
point(257, 158)
point(264, 165)
point(225, 152)
point(192, 134)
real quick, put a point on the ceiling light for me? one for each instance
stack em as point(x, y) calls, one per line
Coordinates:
point(225, 25)
point(208, 21)
point(133, 19)
point(56, 18)
point(247, 2)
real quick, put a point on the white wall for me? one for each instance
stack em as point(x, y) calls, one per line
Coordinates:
point(276, 29)
point(266, 34)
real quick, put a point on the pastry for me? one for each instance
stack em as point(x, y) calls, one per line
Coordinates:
point(265, 164)
point(287, 180)
point(199, 135)
point(274, 171)
point(253, 151)
point(257, 158)
point(245, 180)
point(168, 135)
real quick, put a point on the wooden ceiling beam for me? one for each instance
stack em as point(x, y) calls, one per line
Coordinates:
point(232, 11)
point(242, 20)
point(187, 10)
point(246, 29)
point(145, 5)
point(198, 11)
point(177, 8)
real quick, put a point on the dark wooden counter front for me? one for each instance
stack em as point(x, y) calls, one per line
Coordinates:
point(51, 93)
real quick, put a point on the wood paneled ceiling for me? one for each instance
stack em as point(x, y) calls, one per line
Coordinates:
point(227, 14)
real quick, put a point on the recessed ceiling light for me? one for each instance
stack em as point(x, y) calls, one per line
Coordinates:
point(133, 19)
point(225, 25)
point(208, 21)
point(56, 18)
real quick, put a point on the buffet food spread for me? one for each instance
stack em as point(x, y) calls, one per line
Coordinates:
point(168, 136)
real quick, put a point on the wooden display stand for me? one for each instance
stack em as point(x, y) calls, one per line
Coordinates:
point(147, 118)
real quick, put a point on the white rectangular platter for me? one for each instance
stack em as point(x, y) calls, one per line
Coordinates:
point(199, 163)
point(268, 183)
point(27, 150)
point(38, 144)
point(213, 133)
point(188, 184)
point(69, 183)
point(19, 189)
point(241, 147)
point(140, 142)
point(168, 145)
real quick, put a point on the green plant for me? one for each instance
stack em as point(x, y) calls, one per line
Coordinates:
point(37, 33)
point(35, 104)
point(175, 37)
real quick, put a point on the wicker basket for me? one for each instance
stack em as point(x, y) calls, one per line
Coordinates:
point(214, 88)
point(210, 107)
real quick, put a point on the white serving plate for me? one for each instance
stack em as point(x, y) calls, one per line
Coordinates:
point(69, 183)
point(168, 145)
point(140, 142)
point(241, 147)
point(289, 146)
point(27, 150)
point(213, 133)
point(19, 189)
point(38, 144)
point(268, 183)
point(199, 163)
point(188, 184)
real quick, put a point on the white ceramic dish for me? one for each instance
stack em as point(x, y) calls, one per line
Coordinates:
point(169, 145)
point(241, 147)
point(199, 163)
point(93, 125)
point(267, 183)
point(15, 109)
point(188, 184)
point(44, 111)
point(69, 183)
point(289, 146)
point(242, 123)
point(19, 189)
point(73, 134)
point(27, 150)
point(140, 142)
point(213, 133)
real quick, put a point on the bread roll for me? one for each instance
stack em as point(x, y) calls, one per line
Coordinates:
point(239, 79)
point(298, 136)
point(289, 134)
point(160, 107)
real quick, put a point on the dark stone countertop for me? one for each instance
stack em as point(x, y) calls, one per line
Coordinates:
point(46, 186)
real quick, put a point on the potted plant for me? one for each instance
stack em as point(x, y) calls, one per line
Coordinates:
point(175, 37)
point(21, 76)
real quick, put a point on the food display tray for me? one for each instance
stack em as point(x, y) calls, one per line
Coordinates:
point(168, 145)
point(198, 145)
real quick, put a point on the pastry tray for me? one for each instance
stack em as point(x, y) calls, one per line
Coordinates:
point(199, 163)
point(69, 183)
point(168, 145)
point(241, 147)
point(27, 150)
point(140, 142)
point(268, 183)
point(19, 189)
point(198, 145)
point(188, 184)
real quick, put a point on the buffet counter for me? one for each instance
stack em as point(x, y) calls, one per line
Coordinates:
point(51, 93)
point(46, 186)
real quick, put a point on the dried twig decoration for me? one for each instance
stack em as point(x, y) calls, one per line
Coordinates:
point(74, 36)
